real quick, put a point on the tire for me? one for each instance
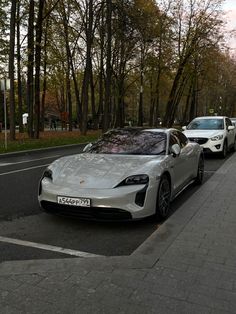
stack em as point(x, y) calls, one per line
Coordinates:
point(224, 150)
point(234, 146)
point(200, 171)
point(163, 198)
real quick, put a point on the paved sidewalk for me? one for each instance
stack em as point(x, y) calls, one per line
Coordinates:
point(187, 266)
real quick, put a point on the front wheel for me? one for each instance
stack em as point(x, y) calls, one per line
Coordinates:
point(200, 171)
point(163, 198)
point(224, 150)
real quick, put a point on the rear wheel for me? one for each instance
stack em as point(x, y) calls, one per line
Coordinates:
point(163, 198)
point(200, 171)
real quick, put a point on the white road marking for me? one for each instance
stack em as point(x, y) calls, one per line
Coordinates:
point(209, 171)
point(6, 164)
point(25, 161)
point(47, 247)
point(20, 170)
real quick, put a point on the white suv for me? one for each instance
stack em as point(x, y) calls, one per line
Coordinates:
point(215, 134)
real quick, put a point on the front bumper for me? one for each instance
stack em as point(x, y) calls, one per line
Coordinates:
point(121, 203)
point(88, 213)
point(211, 146)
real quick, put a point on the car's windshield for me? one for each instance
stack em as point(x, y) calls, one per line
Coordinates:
point(206, 124)
point(131, 141)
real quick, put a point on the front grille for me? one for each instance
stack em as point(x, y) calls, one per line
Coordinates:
point(199, 140)
point(88, 213)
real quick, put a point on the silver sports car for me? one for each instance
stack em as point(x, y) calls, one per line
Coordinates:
point(129, 173)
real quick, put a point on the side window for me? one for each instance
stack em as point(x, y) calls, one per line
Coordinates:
point(180, 138)
point(183, 139)
point(173, 140)
point(228, 122)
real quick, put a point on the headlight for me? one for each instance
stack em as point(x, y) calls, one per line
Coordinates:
point(136, 179)
point(217, 137)
point(47, 174)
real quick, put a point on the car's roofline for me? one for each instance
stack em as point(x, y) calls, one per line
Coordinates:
point(210, 117)
point(150, 129)
point(164, 130)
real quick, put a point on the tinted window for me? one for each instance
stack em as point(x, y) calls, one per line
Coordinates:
point(206, 124)
point(131, 141)
point(228, 122)
point(178, 138)
point(182, 138)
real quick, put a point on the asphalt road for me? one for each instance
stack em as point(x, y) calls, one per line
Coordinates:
point(28, 233)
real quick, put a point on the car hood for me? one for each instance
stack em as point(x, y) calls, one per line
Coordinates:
point(202, 133)
point(100, 170)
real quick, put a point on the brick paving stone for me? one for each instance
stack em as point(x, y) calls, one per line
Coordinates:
point(7, 309)
point(217, 311)
point(176, 306)
point(212, 302)
point(9, 284)
point(29, 279)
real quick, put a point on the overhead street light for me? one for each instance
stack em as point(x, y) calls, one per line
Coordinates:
point(5, 85)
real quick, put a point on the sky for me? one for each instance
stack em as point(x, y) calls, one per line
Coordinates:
point(230, 9)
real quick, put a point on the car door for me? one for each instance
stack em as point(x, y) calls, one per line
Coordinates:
point(230, 133)
point(182, 164)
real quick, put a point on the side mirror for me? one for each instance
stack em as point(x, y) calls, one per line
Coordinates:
point(175, 150)
point(184, 127)
point(86, 148)
point(230, 127)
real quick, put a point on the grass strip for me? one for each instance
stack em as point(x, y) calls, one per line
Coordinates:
point(47, 139)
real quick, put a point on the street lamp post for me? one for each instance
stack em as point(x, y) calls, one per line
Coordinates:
point(5, 85)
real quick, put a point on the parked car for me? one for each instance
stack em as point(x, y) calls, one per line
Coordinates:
point(127, 174)
point(216, 134)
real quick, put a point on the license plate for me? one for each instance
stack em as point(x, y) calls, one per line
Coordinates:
point(74, 201)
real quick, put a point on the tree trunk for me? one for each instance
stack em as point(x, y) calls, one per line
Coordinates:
point(93, 103)
point(186, 110)
point(107, 104)
point(68, 63)
point(170, 109)
point(140, 107)
point(98, 119)
point(152, 103)
point(19, 85)
point(42, 124)
point(88, 69)
point(30, 69)
point(11, 69)
point(39, 30)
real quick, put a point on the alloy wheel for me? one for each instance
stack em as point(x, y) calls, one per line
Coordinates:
point(163, 197)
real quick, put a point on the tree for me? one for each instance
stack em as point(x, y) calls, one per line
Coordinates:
point(38, 44)
point(12, 68)
point(30, 69)
point(4, 43)
point(195, 30)
point(107, 101)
